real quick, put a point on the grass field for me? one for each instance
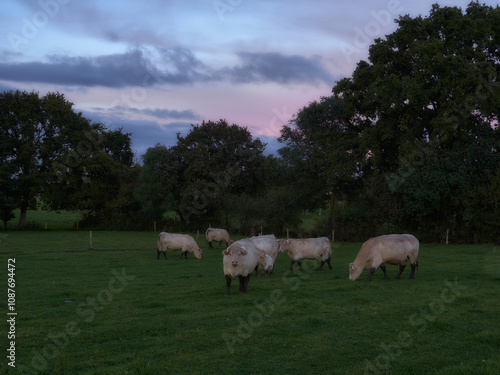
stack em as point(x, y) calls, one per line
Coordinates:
point(115, 309)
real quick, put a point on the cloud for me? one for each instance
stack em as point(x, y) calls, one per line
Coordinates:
point(279, 68)
point(164, 66)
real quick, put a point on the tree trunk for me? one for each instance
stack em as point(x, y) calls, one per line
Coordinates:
point(22, 218)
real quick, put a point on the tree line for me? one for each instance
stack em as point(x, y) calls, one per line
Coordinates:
point(408, 143)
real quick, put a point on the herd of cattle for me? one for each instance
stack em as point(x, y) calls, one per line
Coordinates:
point(242, 257)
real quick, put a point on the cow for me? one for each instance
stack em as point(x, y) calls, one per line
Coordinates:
point(309, 248)
point(240, 259)
point(269, 245)
point(217, 235)
point(392, 249)
point(173, 241)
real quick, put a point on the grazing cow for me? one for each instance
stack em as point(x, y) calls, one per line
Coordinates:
point(173, 241)
point(309, 248)
point(240, 259)
point(269, 245)
point(217, 235)
point(392, 249)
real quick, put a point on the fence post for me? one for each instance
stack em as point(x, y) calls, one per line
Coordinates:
point(91, 239)
point(447, 232)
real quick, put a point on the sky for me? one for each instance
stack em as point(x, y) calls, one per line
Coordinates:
point(155, 67)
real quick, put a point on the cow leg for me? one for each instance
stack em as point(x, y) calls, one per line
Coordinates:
point(401, 269)
point(329, 263)
point(242, 284)
point(372, 270)
point(246, 280)
point(382, 267)
point(210, 246)
point(413, 266)
point(321, 265)
point(299, 262)
point(228, 285)
point(257, 270)
point(291, 266)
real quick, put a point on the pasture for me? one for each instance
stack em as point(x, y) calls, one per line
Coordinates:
point(116, 309)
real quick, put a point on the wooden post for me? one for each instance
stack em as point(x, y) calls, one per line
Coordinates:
point(261, 232)
point(77, 225)
point(333, 235)
point(447, 232)
point(319, 211)
point(197, 237)
point(154, 226)
point(287, 234)
point(45, 225)
point(91, 239)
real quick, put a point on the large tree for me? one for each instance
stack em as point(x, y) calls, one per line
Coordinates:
point(428, 101)
point(52, 153)
point(208, 166)
point(34, 132)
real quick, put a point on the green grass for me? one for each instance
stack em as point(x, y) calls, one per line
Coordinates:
point(40, 219)
point(115, 309)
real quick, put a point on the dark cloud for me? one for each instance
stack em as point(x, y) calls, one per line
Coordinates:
point(133, 68)
point(177, 66)
point(169, 113)
point(276, 67)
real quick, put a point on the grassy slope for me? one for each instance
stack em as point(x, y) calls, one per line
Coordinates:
point(76, 317)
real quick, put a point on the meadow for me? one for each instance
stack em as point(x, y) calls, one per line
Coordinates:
point(116, 309)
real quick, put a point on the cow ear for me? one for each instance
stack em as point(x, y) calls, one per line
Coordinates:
point(225, 252)
point(243, 252)
point(351, 266)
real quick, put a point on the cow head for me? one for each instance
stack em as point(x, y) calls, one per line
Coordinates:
point(235, 252)
point(197, 253)
point(354, 272)
point(283, 245)
point(261, 255)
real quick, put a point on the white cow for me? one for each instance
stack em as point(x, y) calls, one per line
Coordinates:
point(309, 248)
point(269, 245)
point(240, 259)
point(217, 235)
point(392, 249)
point(173, 241)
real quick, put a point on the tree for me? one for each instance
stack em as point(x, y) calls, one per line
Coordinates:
point(209, 165)
point(323, 149)
point(153, 195)
point(34, 133)
point(90, 175)
point(52, 153)
point(428, 102)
